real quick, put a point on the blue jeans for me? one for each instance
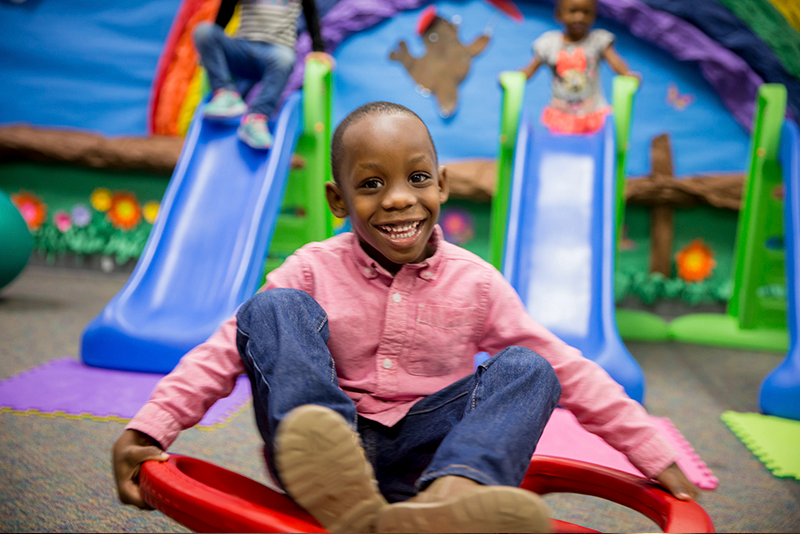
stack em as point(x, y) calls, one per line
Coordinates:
point(237, 64)
point(484, 427)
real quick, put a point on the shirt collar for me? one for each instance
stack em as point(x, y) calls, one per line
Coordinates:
point(426, 270)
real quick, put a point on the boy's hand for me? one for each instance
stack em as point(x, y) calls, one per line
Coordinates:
point(130, 451)
point(676, 482)
point(323, 58)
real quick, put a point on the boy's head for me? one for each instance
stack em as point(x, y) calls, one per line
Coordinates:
point(577, 16)
point(387, 180)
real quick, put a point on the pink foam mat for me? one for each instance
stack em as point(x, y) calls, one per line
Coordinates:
point(564, 437)
point(68, 387)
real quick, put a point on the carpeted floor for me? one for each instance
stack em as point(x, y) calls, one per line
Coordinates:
point(55, 473)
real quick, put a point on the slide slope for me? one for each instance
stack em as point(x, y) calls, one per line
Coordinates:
point(560, 242)
point(206, 252)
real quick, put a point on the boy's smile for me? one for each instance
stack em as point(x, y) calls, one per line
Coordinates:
point(390, 187)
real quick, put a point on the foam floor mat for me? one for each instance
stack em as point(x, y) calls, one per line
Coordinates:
point(68, 388)
point(775, 441)
point(564, 437)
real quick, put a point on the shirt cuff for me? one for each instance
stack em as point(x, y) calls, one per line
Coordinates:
point(653, 455)
point(156, 423)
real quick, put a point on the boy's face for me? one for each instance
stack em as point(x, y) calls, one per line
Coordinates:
point(577, 16)
point(390, 187)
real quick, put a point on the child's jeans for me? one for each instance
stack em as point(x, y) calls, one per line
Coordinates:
point(484, 427)
point(237, 65)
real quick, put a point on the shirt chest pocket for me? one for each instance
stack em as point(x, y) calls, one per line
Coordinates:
point(442, 337)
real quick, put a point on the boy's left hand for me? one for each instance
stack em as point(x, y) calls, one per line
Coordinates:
point(323, 57)
point(676, 482)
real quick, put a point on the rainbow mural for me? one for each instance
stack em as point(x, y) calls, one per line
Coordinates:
point(737, 45)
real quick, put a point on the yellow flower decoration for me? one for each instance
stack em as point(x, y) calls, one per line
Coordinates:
point(101, 199)
point(150, 211)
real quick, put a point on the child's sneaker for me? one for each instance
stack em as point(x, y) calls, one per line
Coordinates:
point(457, 504)
point(254, 131)
point(322, 466)
point(225, 104)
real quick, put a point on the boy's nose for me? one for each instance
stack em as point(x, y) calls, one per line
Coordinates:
point(398, 197)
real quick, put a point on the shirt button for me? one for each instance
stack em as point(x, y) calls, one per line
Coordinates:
point(427, 275)
point(387, 363)
point(368, 271)
point(396, 297)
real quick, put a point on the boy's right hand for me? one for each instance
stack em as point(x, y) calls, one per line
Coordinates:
point(130, 451)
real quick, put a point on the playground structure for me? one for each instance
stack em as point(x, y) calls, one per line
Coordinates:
point(205, 255)
point(780, 390)
point(554, 226)
point(756, 312)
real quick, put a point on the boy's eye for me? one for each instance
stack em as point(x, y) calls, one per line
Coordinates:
point(371, 183)
point(418, 178)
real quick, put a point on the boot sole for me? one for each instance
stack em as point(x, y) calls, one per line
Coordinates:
point(323, 467)
point(488, 509)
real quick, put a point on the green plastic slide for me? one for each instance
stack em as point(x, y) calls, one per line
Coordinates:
point(305, 216)
point(756, 313)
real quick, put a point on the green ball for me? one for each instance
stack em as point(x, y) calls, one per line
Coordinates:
point(16, 241)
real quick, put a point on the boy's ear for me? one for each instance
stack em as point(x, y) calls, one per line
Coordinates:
point(335, 200)
point(444, 185)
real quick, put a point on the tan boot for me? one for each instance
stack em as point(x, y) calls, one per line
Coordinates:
point(323, 468)
point(457, 504)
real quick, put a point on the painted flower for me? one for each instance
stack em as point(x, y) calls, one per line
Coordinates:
point(101, 199)
point(81, 216)
point(124, 211)
point(150, 211)
point(457, 226)
point(62, 220)
point(695, 262)
point(33, 210)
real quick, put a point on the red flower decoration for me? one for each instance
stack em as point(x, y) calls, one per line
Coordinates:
point(125, 212)
point(695, 262)
point(33, 210)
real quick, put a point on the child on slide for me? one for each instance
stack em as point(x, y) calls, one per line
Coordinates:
point(261, 51)
point(360, 352)
point(574, 55)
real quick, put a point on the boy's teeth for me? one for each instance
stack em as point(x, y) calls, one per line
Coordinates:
point(401, 231)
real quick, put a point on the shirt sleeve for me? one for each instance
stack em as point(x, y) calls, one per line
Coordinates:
point(291, 274)
point(543, 47)
point(602, 39)
point(204, 375)
point(596, 400)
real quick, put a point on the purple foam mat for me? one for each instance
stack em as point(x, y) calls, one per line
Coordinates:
point(66, 386)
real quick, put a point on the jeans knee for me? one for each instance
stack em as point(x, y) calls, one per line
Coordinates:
point(284, 57)
point(273, 300)
point(204, 33)
point(523, 362)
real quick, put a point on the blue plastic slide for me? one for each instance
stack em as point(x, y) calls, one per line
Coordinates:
point(780, 390)
point(206, 251)
point(560, 242)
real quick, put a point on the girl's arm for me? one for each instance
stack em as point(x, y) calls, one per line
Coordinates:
point(532, 67)
point(616, 62)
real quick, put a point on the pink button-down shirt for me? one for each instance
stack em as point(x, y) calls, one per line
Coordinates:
point(396, 339)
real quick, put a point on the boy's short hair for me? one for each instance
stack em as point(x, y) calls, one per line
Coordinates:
point(371, 108)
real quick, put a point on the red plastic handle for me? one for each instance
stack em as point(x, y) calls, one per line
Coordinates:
point(208, 498)
point(559, 475)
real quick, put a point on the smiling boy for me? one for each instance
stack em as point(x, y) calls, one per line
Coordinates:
point(360, 356)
